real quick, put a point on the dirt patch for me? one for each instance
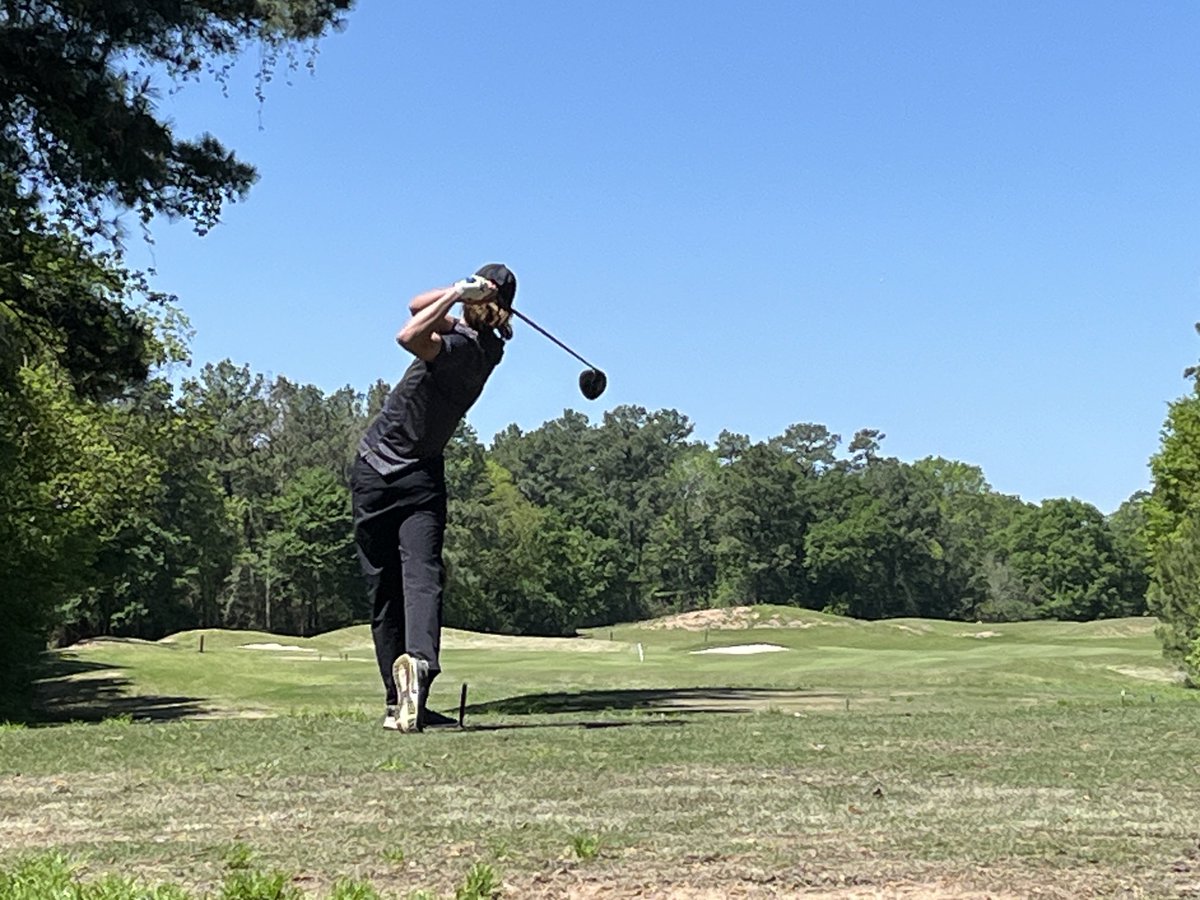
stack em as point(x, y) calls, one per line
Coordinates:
point(750, 889)
point(716, 877)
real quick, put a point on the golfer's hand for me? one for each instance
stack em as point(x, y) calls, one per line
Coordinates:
point(475, 289)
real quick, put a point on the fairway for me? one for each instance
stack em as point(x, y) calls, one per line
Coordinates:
point(822, 757)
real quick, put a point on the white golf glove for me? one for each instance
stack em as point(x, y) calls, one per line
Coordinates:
point(474, 288)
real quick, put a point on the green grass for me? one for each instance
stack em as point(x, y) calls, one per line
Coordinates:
point(938, 758)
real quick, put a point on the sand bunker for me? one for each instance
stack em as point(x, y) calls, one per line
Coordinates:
point(1148, 673)
point(273, 646)
point(100, 640)
point(729, 617)
point(909, 628)
point(742, 649)
point(979, 634)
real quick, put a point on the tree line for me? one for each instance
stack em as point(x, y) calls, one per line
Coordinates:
point(225, 503)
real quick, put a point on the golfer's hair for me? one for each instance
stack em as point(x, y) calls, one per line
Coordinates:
point(489, 315)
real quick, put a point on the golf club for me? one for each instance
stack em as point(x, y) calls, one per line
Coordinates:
point(592, 382)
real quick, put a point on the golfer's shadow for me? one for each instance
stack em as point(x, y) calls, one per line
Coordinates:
point(675, 703)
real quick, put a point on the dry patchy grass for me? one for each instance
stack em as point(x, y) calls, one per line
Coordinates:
point(1078, 803)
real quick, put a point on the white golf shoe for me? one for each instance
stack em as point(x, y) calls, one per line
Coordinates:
point(411, 674)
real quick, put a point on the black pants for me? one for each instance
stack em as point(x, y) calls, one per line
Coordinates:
point(399, 525)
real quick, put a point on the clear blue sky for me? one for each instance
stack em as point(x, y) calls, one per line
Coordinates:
point(975, 227)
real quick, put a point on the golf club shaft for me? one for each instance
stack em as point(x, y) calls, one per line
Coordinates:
point(528, 321)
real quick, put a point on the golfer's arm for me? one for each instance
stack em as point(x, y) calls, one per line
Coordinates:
point(421, 301)
point(420, 336)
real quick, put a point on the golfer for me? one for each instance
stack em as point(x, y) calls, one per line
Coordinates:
point(398, 481)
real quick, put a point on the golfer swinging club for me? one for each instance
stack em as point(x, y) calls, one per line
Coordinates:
point(398, 482)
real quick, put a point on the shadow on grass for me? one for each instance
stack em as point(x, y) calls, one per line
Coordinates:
point(69, 689)
point(665, 700)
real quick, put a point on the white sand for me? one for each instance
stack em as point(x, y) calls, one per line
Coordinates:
point(274, 646)
point(742, 649)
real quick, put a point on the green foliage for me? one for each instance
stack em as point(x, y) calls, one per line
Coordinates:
point(91, 521)
point(610, 486)
point(237, 856)
point(1128, 528)
point(249, 884)
point(531, 572)
point(80, 132)
point(346, 889)
point(680, 558)
point(762, 516)
point(279, 454)
point(481, 883)
point(310, 546)
point(1175, 594)
point(67, 484)
point(47, 877)
point(61, 300)
point(51, 877)
point(586, 846)
point(1064, 552)
point(1172, 531)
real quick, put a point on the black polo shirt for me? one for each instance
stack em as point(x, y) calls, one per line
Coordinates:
point(420, 414)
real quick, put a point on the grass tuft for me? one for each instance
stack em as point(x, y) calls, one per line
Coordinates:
point(237, 856)
point(345, 889)
point(481, 883)
point(253, 885)
point(51, 877)
point(45, 877)
point(586, 846)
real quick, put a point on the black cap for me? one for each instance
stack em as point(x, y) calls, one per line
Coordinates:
point(501, 276)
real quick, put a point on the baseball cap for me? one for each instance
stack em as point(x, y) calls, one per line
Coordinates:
point(501, 276)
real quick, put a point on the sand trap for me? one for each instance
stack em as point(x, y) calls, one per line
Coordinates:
point(273, 646)
point(101, 640)
point(1147, 673)
point(732, 617)
point(979, 634)
point(742, 649)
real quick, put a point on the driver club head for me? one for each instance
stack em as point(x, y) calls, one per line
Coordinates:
point(592, 383)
